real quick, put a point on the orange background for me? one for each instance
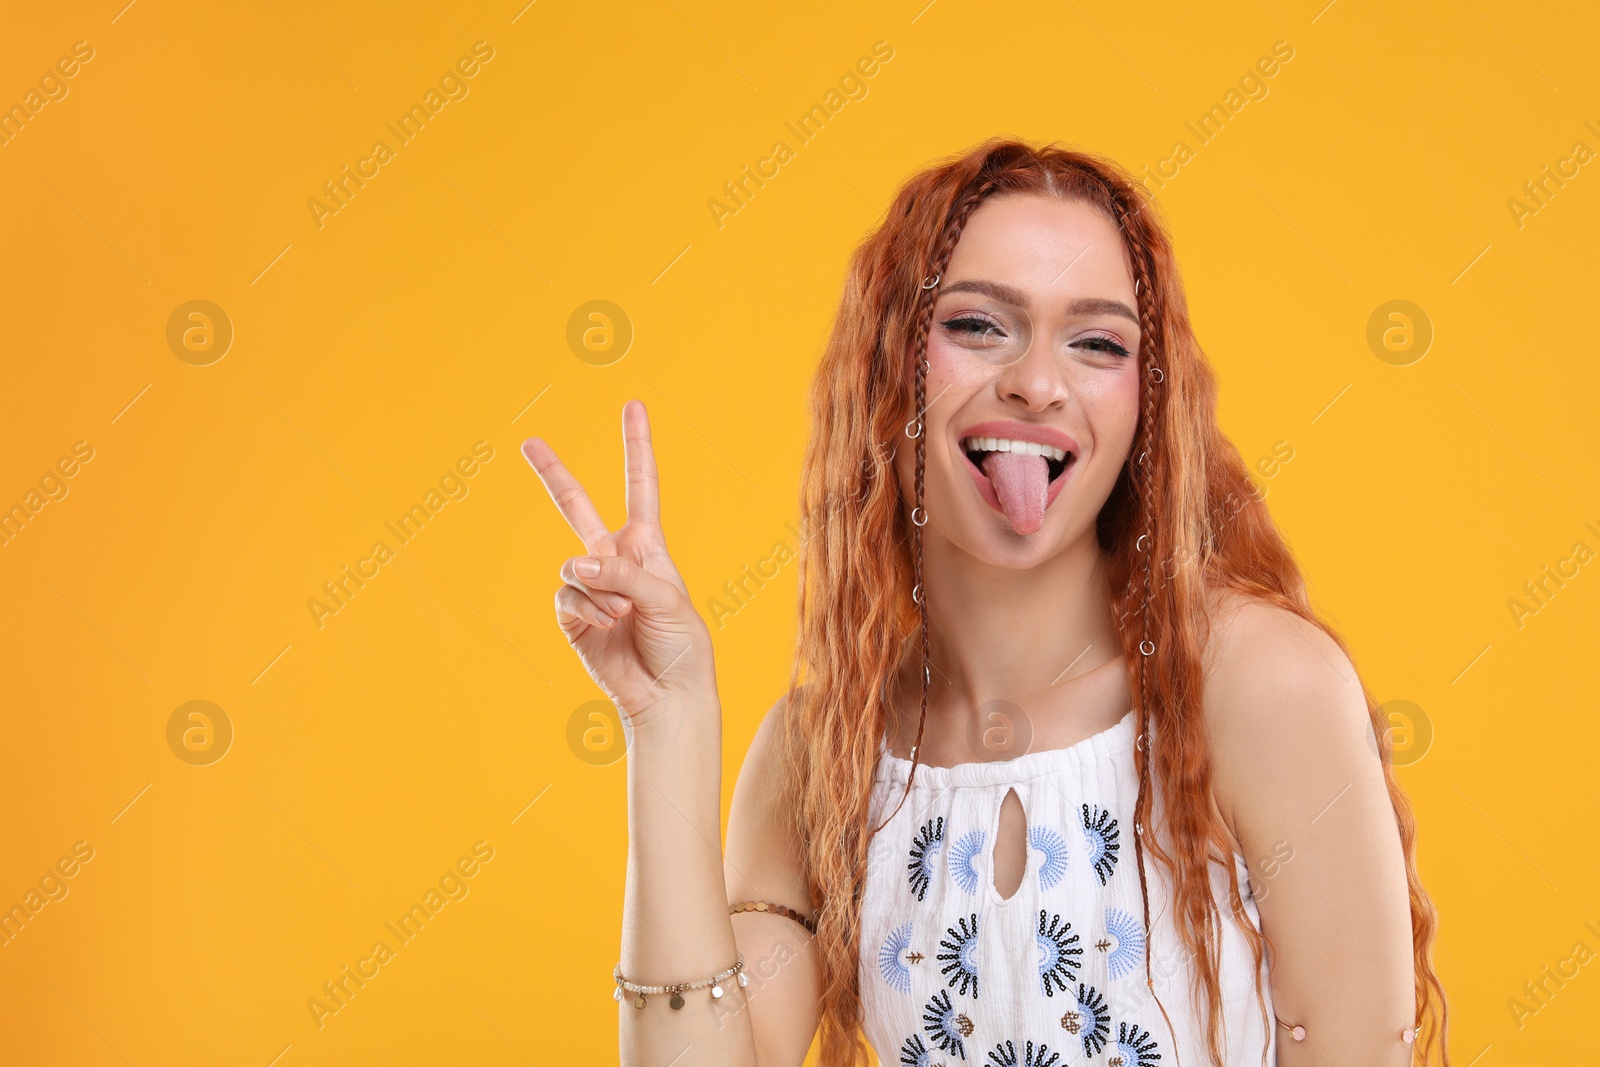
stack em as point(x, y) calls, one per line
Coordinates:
point(371, 352)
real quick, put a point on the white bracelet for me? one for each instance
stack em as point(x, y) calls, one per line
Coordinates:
point(677, 988)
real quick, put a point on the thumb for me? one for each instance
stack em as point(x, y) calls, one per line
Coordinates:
point(615, 574)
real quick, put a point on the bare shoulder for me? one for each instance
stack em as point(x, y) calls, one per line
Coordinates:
point(1257, 649)
point(1285, 711)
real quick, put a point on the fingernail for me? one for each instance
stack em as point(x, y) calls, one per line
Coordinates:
point(587, 567)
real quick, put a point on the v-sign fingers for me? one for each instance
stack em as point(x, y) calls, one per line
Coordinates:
point(643, 487)
point(570, 498)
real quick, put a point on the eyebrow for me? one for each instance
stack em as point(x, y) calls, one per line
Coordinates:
point(1086, 305)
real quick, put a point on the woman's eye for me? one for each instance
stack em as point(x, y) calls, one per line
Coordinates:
point(1102, 344)
point(969, 325)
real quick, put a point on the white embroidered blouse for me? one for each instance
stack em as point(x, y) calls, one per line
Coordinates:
point(952, 973)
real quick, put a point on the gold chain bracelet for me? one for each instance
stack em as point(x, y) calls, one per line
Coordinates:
point(677, 988)
point(776, 909)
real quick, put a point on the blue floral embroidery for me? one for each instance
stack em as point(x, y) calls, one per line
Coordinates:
point(1058, 953)
point(1100, 830)
point(961, 951)
point(890, 958)
point(964, 860)
point(1089, 1021)
point(1053, 865)
point(946, 1027)
point(925, 854)
point(1127, 942)
point(1005, 1055)
point(914, 1053)
point(1135, 1047)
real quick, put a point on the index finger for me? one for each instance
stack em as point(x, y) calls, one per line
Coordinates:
point(570, 498)
point(639, 457)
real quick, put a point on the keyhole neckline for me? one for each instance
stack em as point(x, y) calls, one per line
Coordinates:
point(991, 890)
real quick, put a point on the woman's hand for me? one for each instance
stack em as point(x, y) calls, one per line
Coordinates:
point(630, 618)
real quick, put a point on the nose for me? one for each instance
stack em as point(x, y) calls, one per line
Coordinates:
point(1038, 380)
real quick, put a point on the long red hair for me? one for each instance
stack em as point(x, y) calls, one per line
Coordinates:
point(1183, 521)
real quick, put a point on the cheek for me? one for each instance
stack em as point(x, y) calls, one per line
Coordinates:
point(952, 380)
point(951, 388)
point(944, 380)
point(1111, 404)
point(954, 377)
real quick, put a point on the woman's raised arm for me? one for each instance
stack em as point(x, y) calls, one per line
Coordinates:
point(626, 612)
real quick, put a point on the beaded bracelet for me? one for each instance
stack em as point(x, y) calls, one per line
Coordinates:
point(677, 988)
point(776, 909)
point(1298, 1032)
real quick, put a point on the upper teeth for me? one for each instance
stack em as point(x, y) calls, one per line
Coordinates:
point(1006, 444)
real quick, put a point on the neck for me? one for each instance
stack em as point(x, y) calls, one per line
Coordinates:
point(1001, 633)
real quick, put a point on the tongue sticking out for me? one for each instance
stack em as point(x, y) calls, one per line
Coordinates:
point(1021, 482)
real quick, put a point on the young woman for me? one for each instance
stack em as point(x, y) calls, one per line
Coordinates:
point(1075, 773)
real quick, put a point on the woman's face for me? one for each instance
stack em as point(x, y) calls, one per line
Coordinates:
point(1033, 381)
